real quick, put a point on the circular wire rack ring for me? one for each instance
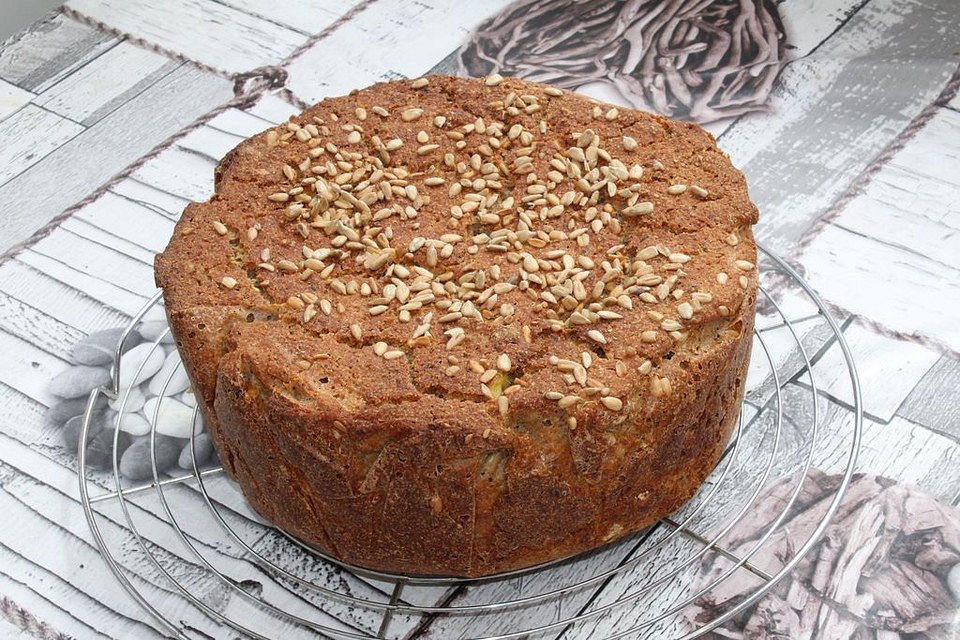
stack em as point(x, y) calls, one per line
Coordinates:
point(392, 603)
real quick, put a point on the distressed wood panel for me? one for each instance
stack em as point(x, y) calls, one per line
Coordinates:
point(27, 368)
point(28, 136)
point(142, 225)
point(145, 195)
point(208, 32)
point(179, 172)
point(893, 300)
point(888, 370)
point(913, 240)
point(815, 138)
point(35, 327)
point(933, 402)
point(105, 83)
point(56, 299)
point(302, 16)
point(416, 36)
point(27, 202)
point(47, 606)
point(12, 98)
point(49, 50)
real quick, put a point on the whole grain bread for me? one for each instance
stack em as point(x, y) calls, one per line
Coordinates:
point(451, 326)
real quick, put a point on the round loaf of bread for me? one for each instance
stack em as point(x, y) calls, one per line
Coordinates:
point(456, 327)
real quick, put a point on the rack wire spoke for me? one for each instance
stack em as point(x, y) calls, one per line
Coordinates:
point(686, 539)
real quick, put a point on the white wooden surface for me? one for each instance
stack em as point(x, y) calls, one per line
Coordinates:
point(79, 104)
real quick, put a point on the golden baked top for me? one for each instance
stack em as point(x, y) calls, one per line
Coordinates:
point(473, 239)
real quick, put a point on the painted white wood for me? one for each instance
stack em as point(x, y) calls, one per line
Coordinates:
point(53, 298)
point(28, 368)
point(49, 50)
point(138, 224)
point(239, 123)
point(28, 135)
point(142, 194)
point(913, 240)
point(209, 142)
point(37, 328)
point(304, 16)
point(85, 95)
point(912, 294)
point(179, 172)
point(207, 32)
point(47, 605)
point(271, 109)
point(80, 227)
point(178, 98)
point(12, 98)
point(802, 154)
point(369, 48)
point(888, 370)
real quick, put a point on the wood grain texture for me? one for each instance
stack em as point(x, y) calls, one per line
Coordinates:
point(28, 136)
point(302, 16)
point(888, 370)
point(815, 140)
point(933, 402)
point(12, 98)
point(914, 241)
point(371, 49)
point(105, 82)
point(175, 100)
point(51, 49)
point(213, 34)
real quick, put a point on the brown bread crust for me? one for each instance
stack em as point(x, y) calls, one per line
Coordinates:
point(403, 464)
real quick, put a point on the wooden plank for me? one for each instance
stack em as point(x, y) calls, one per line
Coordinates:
point(124, 300)
point(815, 139)
point(369, 49)
point(933, 402)
point(145, 195)
point(928, 222)
point(239, 123)
point(27, 368)
point(271, 109)
point(27, 202)
point(37, 328)
point(209, 142)
point(888, 370)
point(80, 227)
point(914, 242)
point(43, 486)
point(141, 225)
point(52, 48)
point(302, 16)
point(210, 33)
point(105, 83)
point(46, 606)
point(97, 261)
point(179, 172)
point(30, 134)
point(12, 98)
point(916, 295)
point(55, 299)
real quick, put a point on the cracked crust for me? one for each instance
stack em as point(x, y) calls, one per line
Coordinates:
point(396, 466)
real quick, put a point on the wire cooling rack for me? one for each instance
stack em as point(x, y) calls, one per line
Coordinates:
point(645, 585)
